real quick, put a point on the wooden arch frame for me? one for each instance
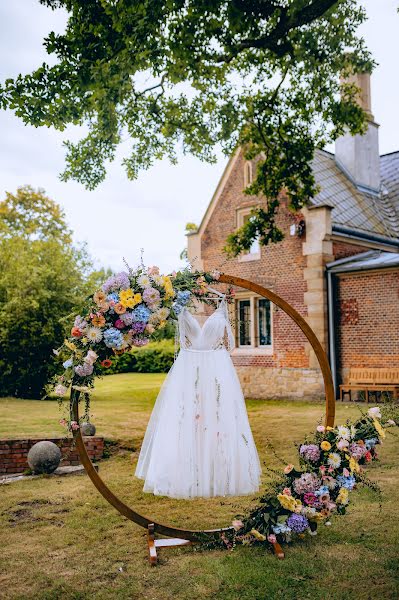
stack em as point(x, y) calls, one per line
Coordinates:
point(187, 535)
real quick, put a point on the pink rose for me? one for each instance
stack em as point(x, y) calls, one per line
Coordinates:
point(237, 524)
point(346, 472)
point(287, 491)
point(321, 428)
point(288, 469)
point(215, 275)
point(342, 444)
point(63, 422)
point(74, 425)
point(271, 538)
point(119, 324)
point(153, 271)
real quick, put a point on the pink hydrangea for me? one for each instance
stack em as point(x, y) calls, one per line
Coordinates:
point(307, 482)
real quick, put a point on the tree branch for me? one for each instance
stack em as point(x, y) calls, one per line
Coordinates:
point(276, 40)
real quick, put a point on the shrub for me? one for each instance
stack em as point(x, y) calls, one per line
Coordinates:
point(156, 357)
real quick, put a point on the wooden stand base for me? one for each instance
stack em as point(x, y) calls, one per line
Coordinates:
point(278, 551)
point(153, 544)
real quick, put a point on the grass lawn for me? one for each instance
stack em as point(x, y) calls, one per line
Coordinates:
point(60, 539)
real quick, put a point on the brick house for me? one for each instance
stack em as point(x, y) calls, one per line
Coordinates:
point(338, 265)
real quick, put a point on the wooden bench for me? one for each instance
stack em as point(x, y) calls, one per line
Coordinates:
point(371, 380)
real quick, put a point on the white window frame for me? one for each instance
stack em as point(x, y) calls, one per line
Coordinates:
point(241, 213)
point(252, 348)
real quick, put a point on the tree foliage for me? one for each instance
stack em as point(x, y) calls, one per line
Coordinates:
point(43, 278)
point(195, 75)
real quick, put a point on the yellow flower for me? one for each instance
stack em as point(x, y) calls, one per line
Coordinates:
point(325, 446)
point(288, 502)
point(259, 536)
point(379, 428)
point(127, 302)
point(343, 496)
point(354, 465)
point(70, 345)
point(328, 428)
point(137, 298)
point(84, 341)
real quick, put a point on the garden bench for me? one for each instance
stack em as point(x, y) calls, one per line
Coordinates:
point(371, 380)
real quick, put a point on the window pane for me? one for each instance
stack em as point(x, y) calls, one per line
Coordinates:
point(264, 327)
point(244, 323)
point(254, 249)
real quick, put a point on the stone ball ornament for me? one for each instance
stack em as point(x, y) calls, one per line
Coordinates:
point(44, 457)
point(88, 429)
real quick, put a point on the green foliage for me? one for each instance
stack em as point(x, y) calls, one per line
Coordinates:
point(42, 279)
point(157, 357)
point(168, 75)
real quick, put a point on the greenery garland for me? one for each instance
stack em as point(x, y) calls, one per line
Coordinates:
point(124, 313)
point(331, 465)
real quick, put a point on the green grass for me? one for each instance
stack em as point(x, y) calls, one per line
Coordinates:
point(60, 539)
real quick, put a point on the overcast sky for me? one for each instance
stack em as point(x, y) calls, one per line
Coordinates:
point(122, 216)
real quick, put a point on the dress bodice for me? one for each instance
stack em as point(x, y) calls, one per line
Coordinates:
point(214, 334)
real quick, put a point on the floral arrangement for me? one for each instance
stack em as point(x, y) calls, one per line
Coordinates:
point(331, 465)
point(128, 308)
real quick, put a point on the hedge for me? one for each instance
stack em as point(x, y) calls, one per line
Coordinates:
point(156, 357)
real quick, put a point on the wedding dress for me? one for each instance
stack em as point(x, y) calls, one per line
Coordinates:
point(198, 441)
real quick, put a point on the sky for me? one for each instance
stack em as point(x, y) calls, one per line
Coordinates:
point(120, 217)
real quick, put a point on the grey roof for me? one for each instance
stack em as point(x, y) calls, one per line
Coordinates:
point(366, 261)
point(355, 209)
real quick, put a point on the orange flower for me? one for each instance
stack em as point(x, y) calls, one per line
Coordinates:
point(119, 308)
point(106, 363)
point(98, 321)
point(75, 332)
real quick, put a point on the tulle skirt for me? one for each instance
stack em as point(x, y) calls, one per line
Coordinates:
point(198, 441)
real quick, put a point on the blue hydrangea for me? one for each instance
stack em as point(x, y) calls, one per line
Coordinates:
point(323, 490)
point(141, 313)
point(346, 482)
point(68, 363)
point(183, 297)
point(113, 296)
point(177, 308)
point(370, 443)
point(113, 338)
point(281, 528)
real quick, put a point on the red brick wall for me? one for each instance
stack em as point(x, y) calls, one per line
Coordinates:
point(280, 268)
point(14, 453)
point(342, 250)
point(368, 320)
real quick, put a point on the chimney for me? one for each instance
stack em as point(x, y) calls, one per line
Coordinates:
point(358, 155)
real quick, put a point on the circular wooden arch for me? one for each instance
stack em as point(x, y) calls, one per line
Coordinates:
point(189, 534)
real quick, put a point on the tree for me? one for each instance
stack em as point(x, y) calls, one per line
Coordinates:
point(43, 278)
point(262, 74)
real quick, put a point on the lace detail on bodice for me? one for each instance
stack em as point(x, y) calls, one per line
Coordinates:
point(215, 333)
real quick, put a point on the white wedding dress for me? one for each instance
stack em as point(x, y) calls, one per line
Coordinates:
point(198, 441)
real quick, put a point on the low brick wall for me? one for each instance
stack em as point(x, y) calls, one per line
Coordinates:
point(14, 453)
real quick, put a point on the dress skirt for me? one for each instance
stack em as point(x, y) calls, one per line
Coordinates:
point(198, 442)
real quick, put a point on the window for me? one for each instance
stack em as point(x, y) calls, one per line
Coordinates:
point(254, 323)
point(244, 323)
point(243, 216)
point(247, 173)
